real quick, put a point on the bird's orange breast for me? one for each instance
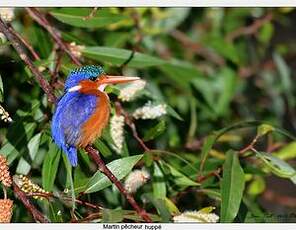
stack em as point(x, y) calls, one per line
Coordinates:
point(93, 127)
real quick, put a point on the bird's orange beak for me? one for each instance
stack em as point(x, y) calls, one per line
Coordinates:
point(107, 79)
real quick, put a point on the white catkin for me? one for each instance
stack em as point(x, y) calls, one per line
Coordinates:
point(4, 116)
point(150, 111)
point(136, 179)
point(196, 217)
point(129, 92)
point(76, 49)
point(7, 14)
point(117, 132)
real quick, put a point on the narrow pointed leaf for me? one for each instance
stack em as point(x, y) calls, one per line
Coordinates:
point(232, 187)
point(120, 168)
point(50, 167)
point(116, 56)
point(77, 17)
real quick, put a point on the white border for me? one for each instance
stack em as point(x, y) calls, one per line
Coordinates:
point(161, 3)
point(155, 226)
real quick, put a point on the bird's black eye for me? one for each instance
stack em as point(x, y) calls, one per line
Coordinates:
point(93, 78)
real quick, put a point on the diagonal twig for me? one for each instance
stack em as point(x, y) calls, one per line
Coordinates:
point(22, 54)
point(94, 154)
point(251, 29)
point(41, 20)
point(37, 215)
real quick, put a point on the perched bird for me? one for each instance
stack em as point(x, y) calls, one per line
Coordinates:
point(83, 111)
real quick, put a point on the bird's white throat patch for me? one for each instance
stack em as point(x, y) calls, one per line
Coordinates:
point(102, 87)
point(74, 88)
point(78, 87)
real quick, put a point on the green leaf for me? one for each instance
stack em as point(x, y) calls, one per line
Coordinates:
point(226, 49)
point(175, 16)
point(232, 187)
point(117, 56)
point(155, 131)
point(112, 216)
point(179, 178)
point(80, 179)
point(257, 186)
point(285, 77)
point(50, 167)
point(173, 113)
point(160, 206)
point(266, 32)
point(120, 168)
point(206, 148)
point(158, 185)
point(23, 167)
point(103, 148)
point(181, 72)
point(264, 129)
point(277, 166)
point(173, 209)
point(33, 145)
point(17, 138)
point(229, 85)
point(76, 17)
point(211, 139)
point(69, 181)
point(287, 152)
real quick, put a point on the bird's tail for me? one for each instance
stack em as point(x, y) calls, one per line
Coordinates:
point(71, 152)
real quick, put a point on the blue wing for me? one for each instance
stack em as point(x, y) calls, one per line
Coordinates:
point(73, 109)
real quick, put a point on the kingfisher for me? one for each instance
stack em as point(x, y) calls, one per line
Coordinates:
point(83, 111)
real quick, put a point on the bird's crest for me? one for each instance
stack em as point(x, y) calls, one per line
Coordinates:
point(90, 72)
point(90, 69)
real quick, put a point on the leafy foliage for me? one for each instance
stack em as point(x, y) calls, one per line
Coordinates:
point(228, 137)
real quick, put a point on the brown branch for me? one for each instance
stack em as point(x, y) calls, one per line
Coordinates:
point(249, 146)
point(215, 173)
point(249, 30)
point(89, 218)
point(51, 195)
point(25, 43)
point(42, 21)
point(54, 73)
point(197, 48)
point(91, 14)
point(37, 215)
point(130, 123)
point(48, 90)
point(139, 38)
point(22, 54)
point(94, 154)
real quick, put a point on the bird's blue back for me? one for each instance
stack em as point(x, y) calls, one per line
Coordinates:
point(72, 111)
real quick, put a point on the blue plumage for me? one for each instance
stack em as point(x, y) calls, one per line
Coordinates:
point(83, 111)
point(72, 111)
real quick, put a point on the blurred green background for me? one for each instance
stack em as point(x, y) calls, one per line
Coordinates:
point(213, 67)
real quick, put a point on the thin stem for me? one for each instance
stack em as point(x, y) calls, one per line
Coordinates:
point(251, 29)
point(37, 215)
point(130, 123)
point(91, 14)
point(26, 44)
point(22, 54)
point(249, 146)
point(42, 21)
point(94, 154)
point(48, 90)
